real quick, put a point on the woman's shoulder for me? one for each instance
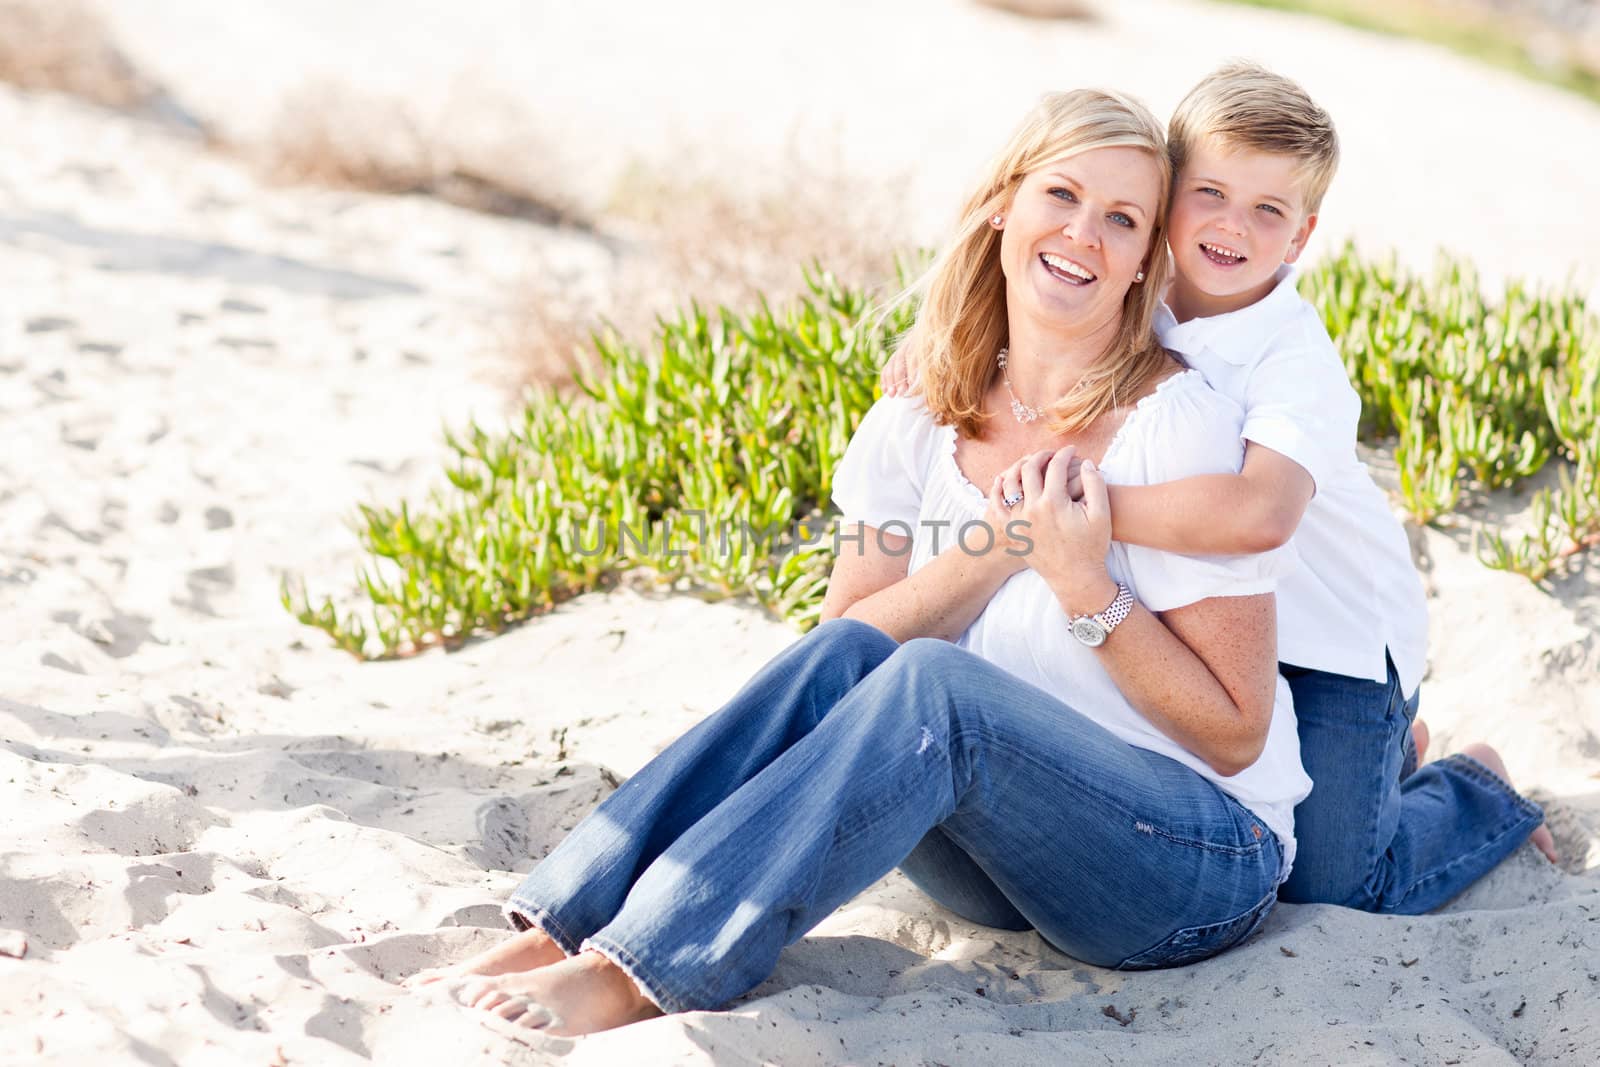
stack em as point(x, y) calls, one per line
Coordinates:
point(903, 417)
point(1182, 425)
point(1181, 389)
point(898, 430)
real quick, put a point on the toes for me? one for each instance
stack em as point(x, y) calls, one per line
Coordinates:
point(471, 992)
point(1420, 737)
point(491, 999)
point(427, 977)
point(1545, 842)
point(510, 1008)
point(534, 1017)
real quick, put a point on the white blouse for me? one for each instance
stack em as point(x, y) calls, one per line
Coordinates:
point(900, 471)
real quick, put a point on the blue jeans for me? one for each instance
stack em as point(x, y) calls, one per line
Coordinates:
point(1377, 832)
point(848, 755)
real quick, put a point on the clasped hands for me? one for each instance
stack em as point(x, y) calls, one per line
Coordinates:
point(1067, 515)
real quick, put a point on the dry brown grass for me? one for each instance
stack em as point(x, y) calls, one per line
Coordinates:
point(698, 233)
point(547, 334)
point(723, 238)
point(694, 233)
point(1080, 10)
point(62, 46)
point(334, 136)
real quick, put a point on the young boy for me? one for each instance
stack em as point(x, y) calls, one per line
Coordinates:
point(1253, 156)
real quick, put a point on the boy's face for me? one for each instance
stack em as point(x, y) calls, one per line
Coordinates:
point(1236, 215)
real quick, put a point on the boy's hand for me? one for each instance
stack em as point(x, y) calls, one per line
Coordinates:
point(1075, 478)
point(899, 375)
point(1074, 464)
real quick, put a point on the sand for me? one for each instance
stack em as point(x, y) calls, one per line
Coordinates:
point(226, 842)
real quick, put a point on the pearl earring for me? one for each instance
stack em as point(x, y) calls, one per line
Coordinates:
point(1139, 277)
point(998, 221)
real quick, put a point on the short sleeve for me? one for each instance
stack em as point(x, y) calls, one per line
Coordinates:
point(1188, 429)
point(1299, 403)
point(885, 467)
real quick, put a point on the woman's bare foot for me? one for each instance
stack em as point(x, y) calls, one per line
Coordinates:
point(1420, 738)
point(1542, 838)
point(580, 995)
point(521, 952)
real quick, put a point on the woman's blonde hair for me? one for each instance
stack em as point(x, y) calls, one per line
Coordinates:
point(961, 325)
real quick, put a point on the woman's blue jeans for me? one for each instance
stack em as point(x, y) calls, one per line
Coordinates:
point(849, 755)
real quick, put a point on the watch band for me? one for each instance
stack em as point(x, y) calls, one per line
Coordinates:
point(1121, 607)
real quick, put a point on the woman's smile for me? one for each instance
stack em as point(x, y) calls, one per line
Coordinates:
point(1067, 270)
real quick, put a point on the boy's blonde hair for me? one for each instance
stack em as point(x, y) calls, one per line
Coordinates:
point(962, 323)
point(1243, 105)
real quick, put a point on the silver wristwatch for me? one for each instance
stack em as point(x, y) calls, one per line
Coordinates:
point(1092, 630)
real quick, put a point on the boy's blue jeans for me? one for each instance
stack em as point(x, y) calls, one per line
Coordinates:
point(849, 755)
point(1378, 833)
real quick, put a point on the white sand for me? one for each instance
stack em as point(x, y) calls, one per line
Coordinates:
point(224, 842)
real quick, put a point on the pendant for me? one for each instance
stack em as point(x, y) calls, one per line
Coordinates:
point(1023, 412)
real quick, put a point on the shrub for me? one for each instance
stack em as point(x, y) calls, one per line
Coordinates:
point(706, 460)
point(1476, 393)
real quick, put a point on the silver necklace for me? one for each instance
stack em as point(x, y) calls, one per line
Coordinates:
point(1022, 412)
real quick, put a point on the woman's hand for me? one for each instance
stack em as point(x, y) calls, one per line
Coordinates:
point(1008, 550)
point(1070, 537)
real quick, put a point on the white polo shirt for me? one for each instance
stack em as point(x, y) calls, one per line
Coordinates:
point(1355, 591)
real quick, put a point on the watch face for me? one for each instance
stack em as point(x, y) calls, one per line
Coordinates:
point(1089, 631)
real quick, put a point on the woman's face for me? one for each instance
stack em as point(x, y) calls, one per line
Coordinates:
point(1076, 233)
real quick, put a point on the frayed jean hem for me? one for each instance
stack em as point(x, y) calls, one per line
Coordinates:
point(523, 915)
point(629, 965)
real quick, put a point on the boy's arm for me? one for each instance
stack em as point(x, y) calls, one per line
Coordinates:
point(1255, 510)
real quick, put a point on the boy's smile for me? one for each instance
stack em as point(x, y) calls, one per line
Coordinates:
point(1236, 215)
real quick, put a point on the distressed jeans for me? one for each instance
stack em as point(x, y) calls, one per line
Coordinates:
point(849, 755)
point(1377, 832)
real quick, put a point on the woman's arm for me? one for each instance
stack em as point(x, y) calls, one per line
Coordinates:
point(1204, 674)
point(869, 581)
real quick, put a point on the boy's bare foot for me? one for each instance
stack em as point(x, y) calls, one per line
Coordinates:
point(580, 995)
point(1542, 838)
point(1420, 738)
point(521, 952)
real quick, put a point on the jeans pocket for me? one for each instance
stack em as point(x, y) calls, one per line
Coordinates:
point(1195, 943)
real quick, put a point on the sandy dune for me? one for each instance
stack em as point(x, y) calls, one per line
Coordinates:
point(224, 842)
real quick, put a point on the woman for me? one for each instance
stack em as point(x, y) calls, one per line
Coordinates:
point(1065, 758)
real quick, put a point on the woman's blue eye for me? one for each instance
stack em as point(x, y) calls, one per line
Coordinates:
point(1121, 220)
point(1063, 194)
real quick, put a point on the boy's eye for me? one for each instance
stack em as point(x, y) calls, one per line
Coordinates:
point(1120, 219)
point(1271, 208)
point(1208, 191)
